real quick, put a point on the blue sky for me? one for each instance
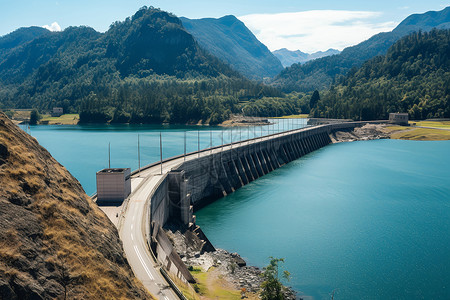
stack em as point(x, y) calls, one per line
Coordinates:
point(294, 24)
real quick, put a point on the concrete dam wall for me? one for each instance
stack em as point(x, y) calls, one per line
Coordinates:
point(211, 177)
point(218, 172)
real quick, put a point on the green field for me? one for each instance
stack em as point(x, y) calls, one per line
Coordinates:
point(436, 124)
point(68, 119)
point(301, 116)
point(418, 134)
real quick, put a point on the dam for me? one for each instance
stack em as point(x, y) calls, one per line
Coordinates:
point(173, 189)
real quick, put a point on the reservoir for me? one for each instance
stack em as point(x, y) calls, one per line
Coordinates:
point(365, 220)
point(83, 149)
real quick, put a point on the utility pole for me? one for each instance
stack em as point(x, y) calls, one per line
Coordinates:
point(109, 155)
point(198, 142)
point(185, 146)
point(139, 158)
point(210, 140)
point(231, 138)
point(160, 149)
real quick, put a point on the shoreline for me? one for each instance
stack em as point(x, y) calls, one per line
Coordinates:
point(220, 264)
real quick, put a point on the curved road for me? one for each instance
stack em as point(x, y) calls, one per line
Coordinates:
point(133, 220)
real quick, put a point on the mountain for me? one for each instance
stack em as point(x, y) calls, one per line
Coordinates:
point(152, 41)
point(20, 37)
point(55, 243)
point(288, 57)
point(320, 73)
point(413, 77)
point(232, 42)
point(145, 69)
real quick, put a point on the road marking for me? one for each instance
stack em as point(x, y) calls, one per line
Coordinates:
point(132, 237)
point(143, 263)
point(132, 226)
point(165, 297)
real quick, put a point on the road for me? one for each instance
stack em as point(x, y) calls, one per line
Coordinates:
point(131, 226)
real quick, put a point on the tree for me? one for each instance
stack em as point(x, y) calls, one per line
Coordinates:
point(314, 99)
point(272, 288)
point(34, 117)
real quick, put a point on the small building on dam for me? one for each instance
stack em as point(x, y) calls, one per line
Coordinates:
point(113, 185)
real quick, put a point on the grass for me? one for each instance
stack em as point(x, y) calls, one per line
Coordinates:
point(418, 134)
point(185, 288)
point(67, 119)
point(211, 285)
point(301, 116)
point(437, 124)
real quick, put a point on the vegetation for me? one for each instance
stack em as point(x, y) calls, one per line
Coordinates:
point(413, 77)
point(435, 124)
point(67, 119)
point(231, 41)
point(146, 69)
point(34, 117)
point(321, 73)
point(418, 134)
point(272, 288)
point(290, 104)
point(211, 285)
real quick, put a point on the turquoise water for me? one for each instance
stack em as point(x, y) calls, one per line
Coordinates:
point(367, 220)
point(83, 149)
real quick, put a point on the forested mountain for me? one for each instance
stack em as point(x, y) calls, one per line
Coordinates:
point(147, 68)
point(320, 73)
point(288, 57)
point(232, 42)
point(20, 37)
point(413, 77)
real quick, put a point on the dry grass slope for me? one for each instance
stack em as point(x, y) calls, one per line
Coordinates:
point(55, 243)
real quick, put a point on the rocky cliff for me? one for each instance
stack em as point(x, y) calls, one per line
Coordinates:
point(54, 241)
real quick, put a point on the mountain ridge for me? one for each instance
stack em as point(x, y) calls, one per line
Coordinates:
point(231, 41)
point(319, 74)
point(413, 77)
point(288, 57)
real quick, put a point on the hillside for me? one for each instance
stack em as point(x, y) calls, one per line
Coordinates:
point(55, 243)
point(232, 42)
point(413, 77)
point(20, 37)
point(288, 57)
point(145, 69)
point(319, 74)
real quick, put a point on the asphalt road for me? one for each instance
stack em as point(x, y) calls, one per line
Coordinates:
point(132, 230)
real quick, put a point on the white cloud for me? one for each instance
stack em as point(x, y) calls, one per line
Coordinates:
point(54, 27)
point(315, 30)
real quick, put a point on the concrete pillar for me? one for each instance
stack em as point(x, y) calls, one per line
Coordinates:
point(268, 160)
point(257, 164)
point(262, 161)
point(242, 172)
point(238, 176)
point(250, 172)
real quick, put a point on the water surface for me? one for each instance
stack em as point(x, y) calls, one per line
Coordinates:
point(83, 149)
point(367, 220)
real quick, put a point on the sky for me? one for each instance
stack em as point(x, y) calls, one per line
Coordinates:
point(308, 26)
